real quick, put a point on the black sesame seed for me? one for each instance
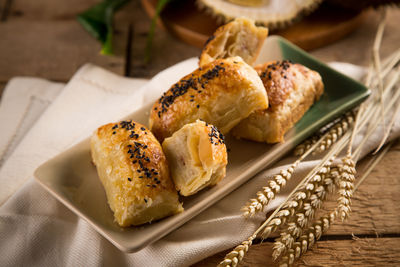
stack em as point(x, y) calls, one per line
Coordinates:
point(197, 106)
point(142, 128)
point(145, 200)
point(154, 185)
point(129, 179)
point(114, 132)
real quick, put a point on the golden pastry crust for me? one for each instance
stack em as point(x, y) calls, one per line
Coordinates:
point(240, 37)
point(292, 89)
point(134, 172)
point(221, 93)
point(197, 157)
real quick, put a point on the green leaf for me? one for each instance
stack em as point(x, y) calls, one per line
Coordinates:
point(98, 19)
point(150, 36)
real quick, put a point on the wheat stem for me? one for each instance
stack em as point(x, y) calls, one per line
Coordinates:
point(302, 211)
point(320, 226)
point(274, 186)
point(332, 135)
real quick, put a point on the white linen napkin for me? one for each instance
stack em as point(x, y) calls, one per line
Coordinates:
point(37, 230)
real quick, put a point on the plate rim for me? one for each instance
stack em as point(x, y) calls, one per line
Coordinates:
point(138, 246)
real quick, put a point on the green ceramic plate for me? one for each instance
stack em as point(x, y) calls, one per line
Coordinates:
point(72, 179)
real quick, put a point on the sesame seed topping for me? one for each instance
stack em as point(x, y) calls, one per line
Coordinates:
point(184, 85)
point(129, 179)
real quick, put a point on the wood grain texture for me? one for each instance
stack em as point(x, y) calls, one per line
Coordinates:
point(48, 10)
point(53, 50)
point(355, 252)
point(356, 47)
point(166, 50)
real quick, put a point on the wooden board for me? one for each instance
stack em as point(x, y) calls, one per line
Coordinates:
point(322, 27)
point(56, 50)
point(352, 252)
point(166, 50)
point(44, 39)
point(48, 10)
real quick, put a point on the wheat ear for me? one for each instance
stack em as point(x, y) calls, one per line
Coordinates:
point(274, 186)
point(334, 133)
point(236, 255)
point(347, 173)
point(320, 226)
point(307, 239)
point(316, 191)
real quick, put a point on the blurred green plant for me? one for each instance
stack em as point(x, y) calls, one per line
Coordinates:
point(150, 36)
point(98, 21)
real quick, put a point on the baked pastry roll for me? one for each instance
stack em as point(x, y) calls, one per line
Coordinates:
point(239, 37)
point(222, 93)
point(134, 172)
point(292, 89)
point(197, 157)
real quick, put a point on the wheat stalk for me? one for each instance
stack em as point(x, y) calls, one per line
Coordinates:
point(279, 216)
point(274, 186)
point(334, 133)
point(320, 226)
point(307, 240)
point(347, 173)
point(316, 191)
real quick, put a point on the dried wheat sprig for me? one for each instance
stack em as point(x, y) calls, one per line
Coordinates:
point(376, 57)
point(314, 232)
point(236, 255)
point(307, 240)
point(394, 99)
point(316, 191)
point(333, 134)
point(269, 192)
point(274, 186)
point(303, 147)
point(347, 172)
point(389, 128)
point(274, 221)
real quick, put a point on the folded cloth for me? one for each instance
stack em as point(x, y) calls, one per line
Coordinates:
point(37, 230)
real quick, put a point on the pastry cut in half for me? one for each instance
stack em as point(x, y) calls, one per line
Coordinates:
point(292, 89)
point(222, 93)
point(197, 157)
point(240, 37)
point(133, 169)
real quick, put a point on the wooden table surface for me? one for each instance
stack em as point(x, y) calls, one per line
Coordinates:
point(42, 38)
